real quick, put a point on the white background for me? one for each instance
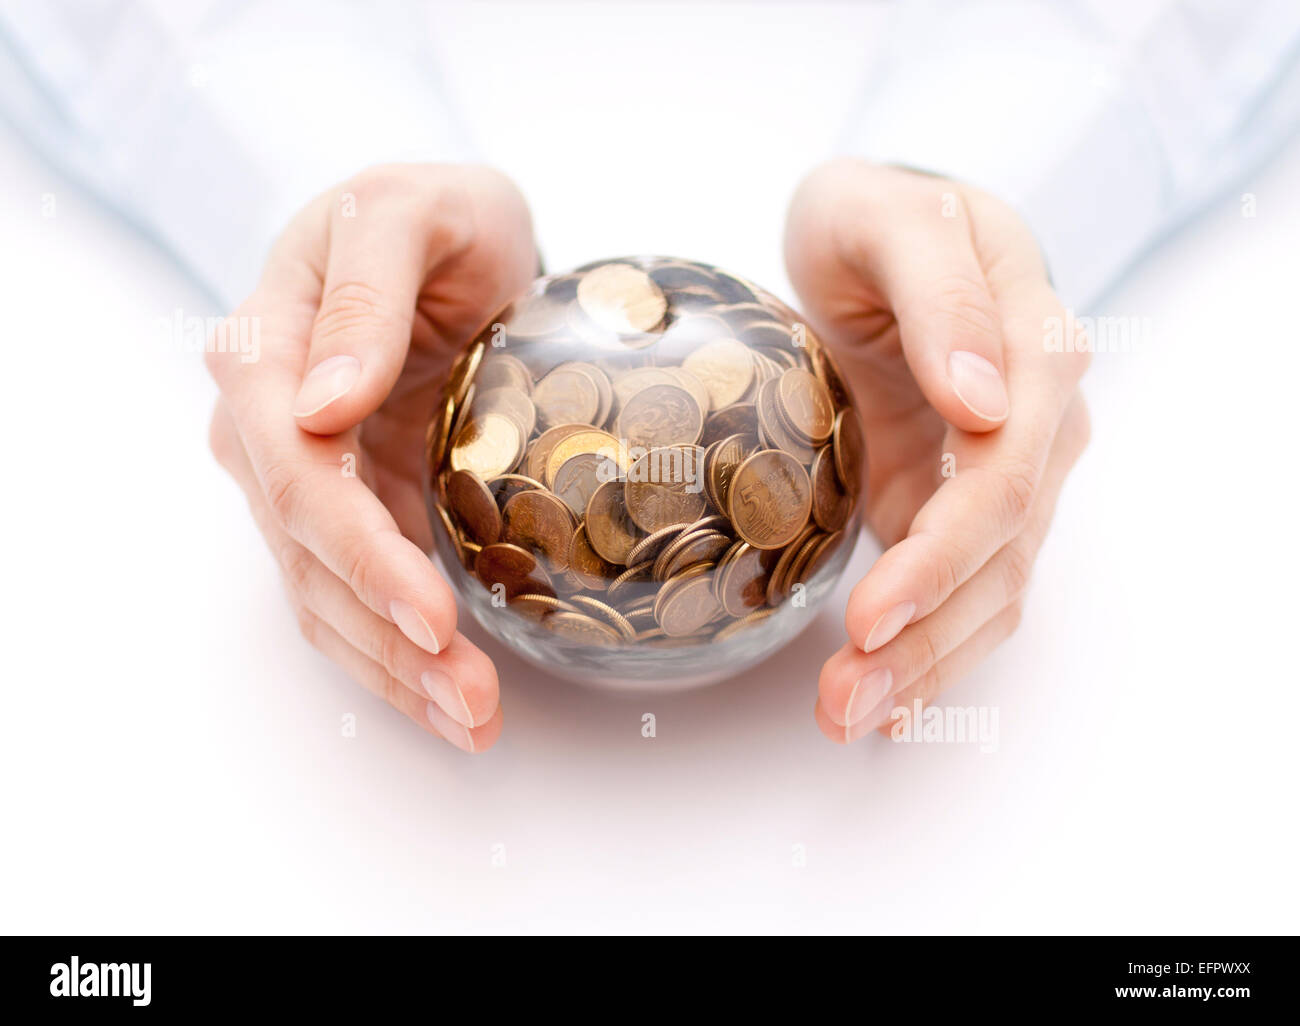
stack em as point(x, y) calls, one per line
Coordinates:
point(172, 756)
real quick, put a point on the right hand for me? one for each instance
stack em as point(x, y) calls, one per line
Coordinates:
point(365, 300)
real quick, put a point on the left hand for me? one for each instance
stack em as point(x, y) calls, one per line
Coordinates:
point(934, 299)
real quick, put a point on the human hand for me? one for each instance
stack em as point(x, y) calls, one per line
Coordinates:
point(935, 301)
point(364, 302)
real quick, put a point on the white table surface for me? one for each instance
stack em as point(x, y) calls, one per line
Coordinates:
point(172, 757)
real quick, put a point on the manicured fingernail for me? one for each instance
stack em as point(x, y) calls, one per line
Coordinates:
point(978, 385)
point(330, 379)
point(447, 693)
point(457, 733)
point(413, 625)
point(876, 717)
point(870, 690)
point(886, 628)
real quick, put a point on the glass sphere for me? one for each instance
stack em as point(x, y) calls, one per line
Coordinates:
point(645, 473)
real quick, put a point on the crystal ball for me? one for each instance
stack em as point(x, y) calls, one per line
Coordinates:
point(645, 473)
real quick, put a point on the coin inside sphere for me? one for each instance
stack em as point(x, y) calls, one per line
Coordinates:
point(646, 472)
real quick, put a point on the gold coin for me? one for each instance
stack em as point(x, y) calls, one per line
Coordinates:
point(540, 450)
point(771, 428)
point(688, 550)
point(621, 298)
point(463, 371)
point(629, 383)
point(660, 415)
point(609, 527)
point(599, 442)
point(587, 566)
point(511, 401)
point(487, 446)
point(437, 436)
point(850, 450)
point(726, 367)
point(805, 405)
point(539, 522)
point(630, 583)
point(501, 370)
point(506, 485)
point(606, 613)
point(566, 397)
point(666, 486)
point(600, 379)
point(743, 579)
point(533, 317)
point(474, 506)
point(579, 476)
point(515, 569)
point(743, 624)
point(778, 585)
point(721, 462)
point(686, 603)
point(831, 505)
point(537, 607)
point(649, 547)
point(737, 419)
point(583, 629)
point(450, 528)
point(770, 499)
point(693, 385)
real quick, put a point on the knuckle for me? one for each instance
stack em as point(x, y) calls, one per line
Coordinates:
point(1017, 565)
point(1017, 486)
point(350, 306)
point(389, 650)
point(285, 484)
point(926, 652)
point(963, 309)
point(358, 569)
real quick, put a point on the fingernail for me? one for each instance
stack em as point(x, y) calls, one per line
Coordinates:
point(447, 693)
point(978, 385)
point(413, 625)
point(457, 733)
point(875, 718)
point(870, 690)
point(330, 379)
point(886, 629)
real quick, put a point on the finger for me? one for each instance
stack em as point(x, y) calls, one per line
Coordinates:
point(314, 496)
point(951, 668)
point(393, 231)
point(909, 238)
point(986, 502)
point(461, 679)
point(375, 679)
point(853, 683)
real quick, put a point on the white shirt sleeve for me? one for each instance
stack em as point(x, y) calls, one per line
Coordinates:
point(1104, 123)
point(208, 123)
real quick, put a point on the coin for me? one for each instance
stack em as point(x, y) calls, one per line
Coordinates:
point(509, 400)
point(463, 371)
point(439, 433)
point(721, 462)
point(689, 549)
point(771, 428)
point(608, 614)
point(629, 383)
point(621, 298)
point(579, 476)
point(770, 499)
point(625, 585)
point(649, 547)
point(744, 623)
point(849, 450)
point(566, 397)
point(599, 442)
point(686, 603)
point(501, 370)
point(737, 419)
point(487, 446)
point(587, 565)
point(604, 389)
point(516, 570)
point(666, 486)
point(540, 522)
point(726, 367)
point(506, 485)
point(609, 526)
point(830, 503)
point(742, 579)
point(583, 629)
point(778, 584)
point(660, 415)
point(535, 317)
point(535, 607)
point(474, 505)
point(540, 450)
point(805, 406)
